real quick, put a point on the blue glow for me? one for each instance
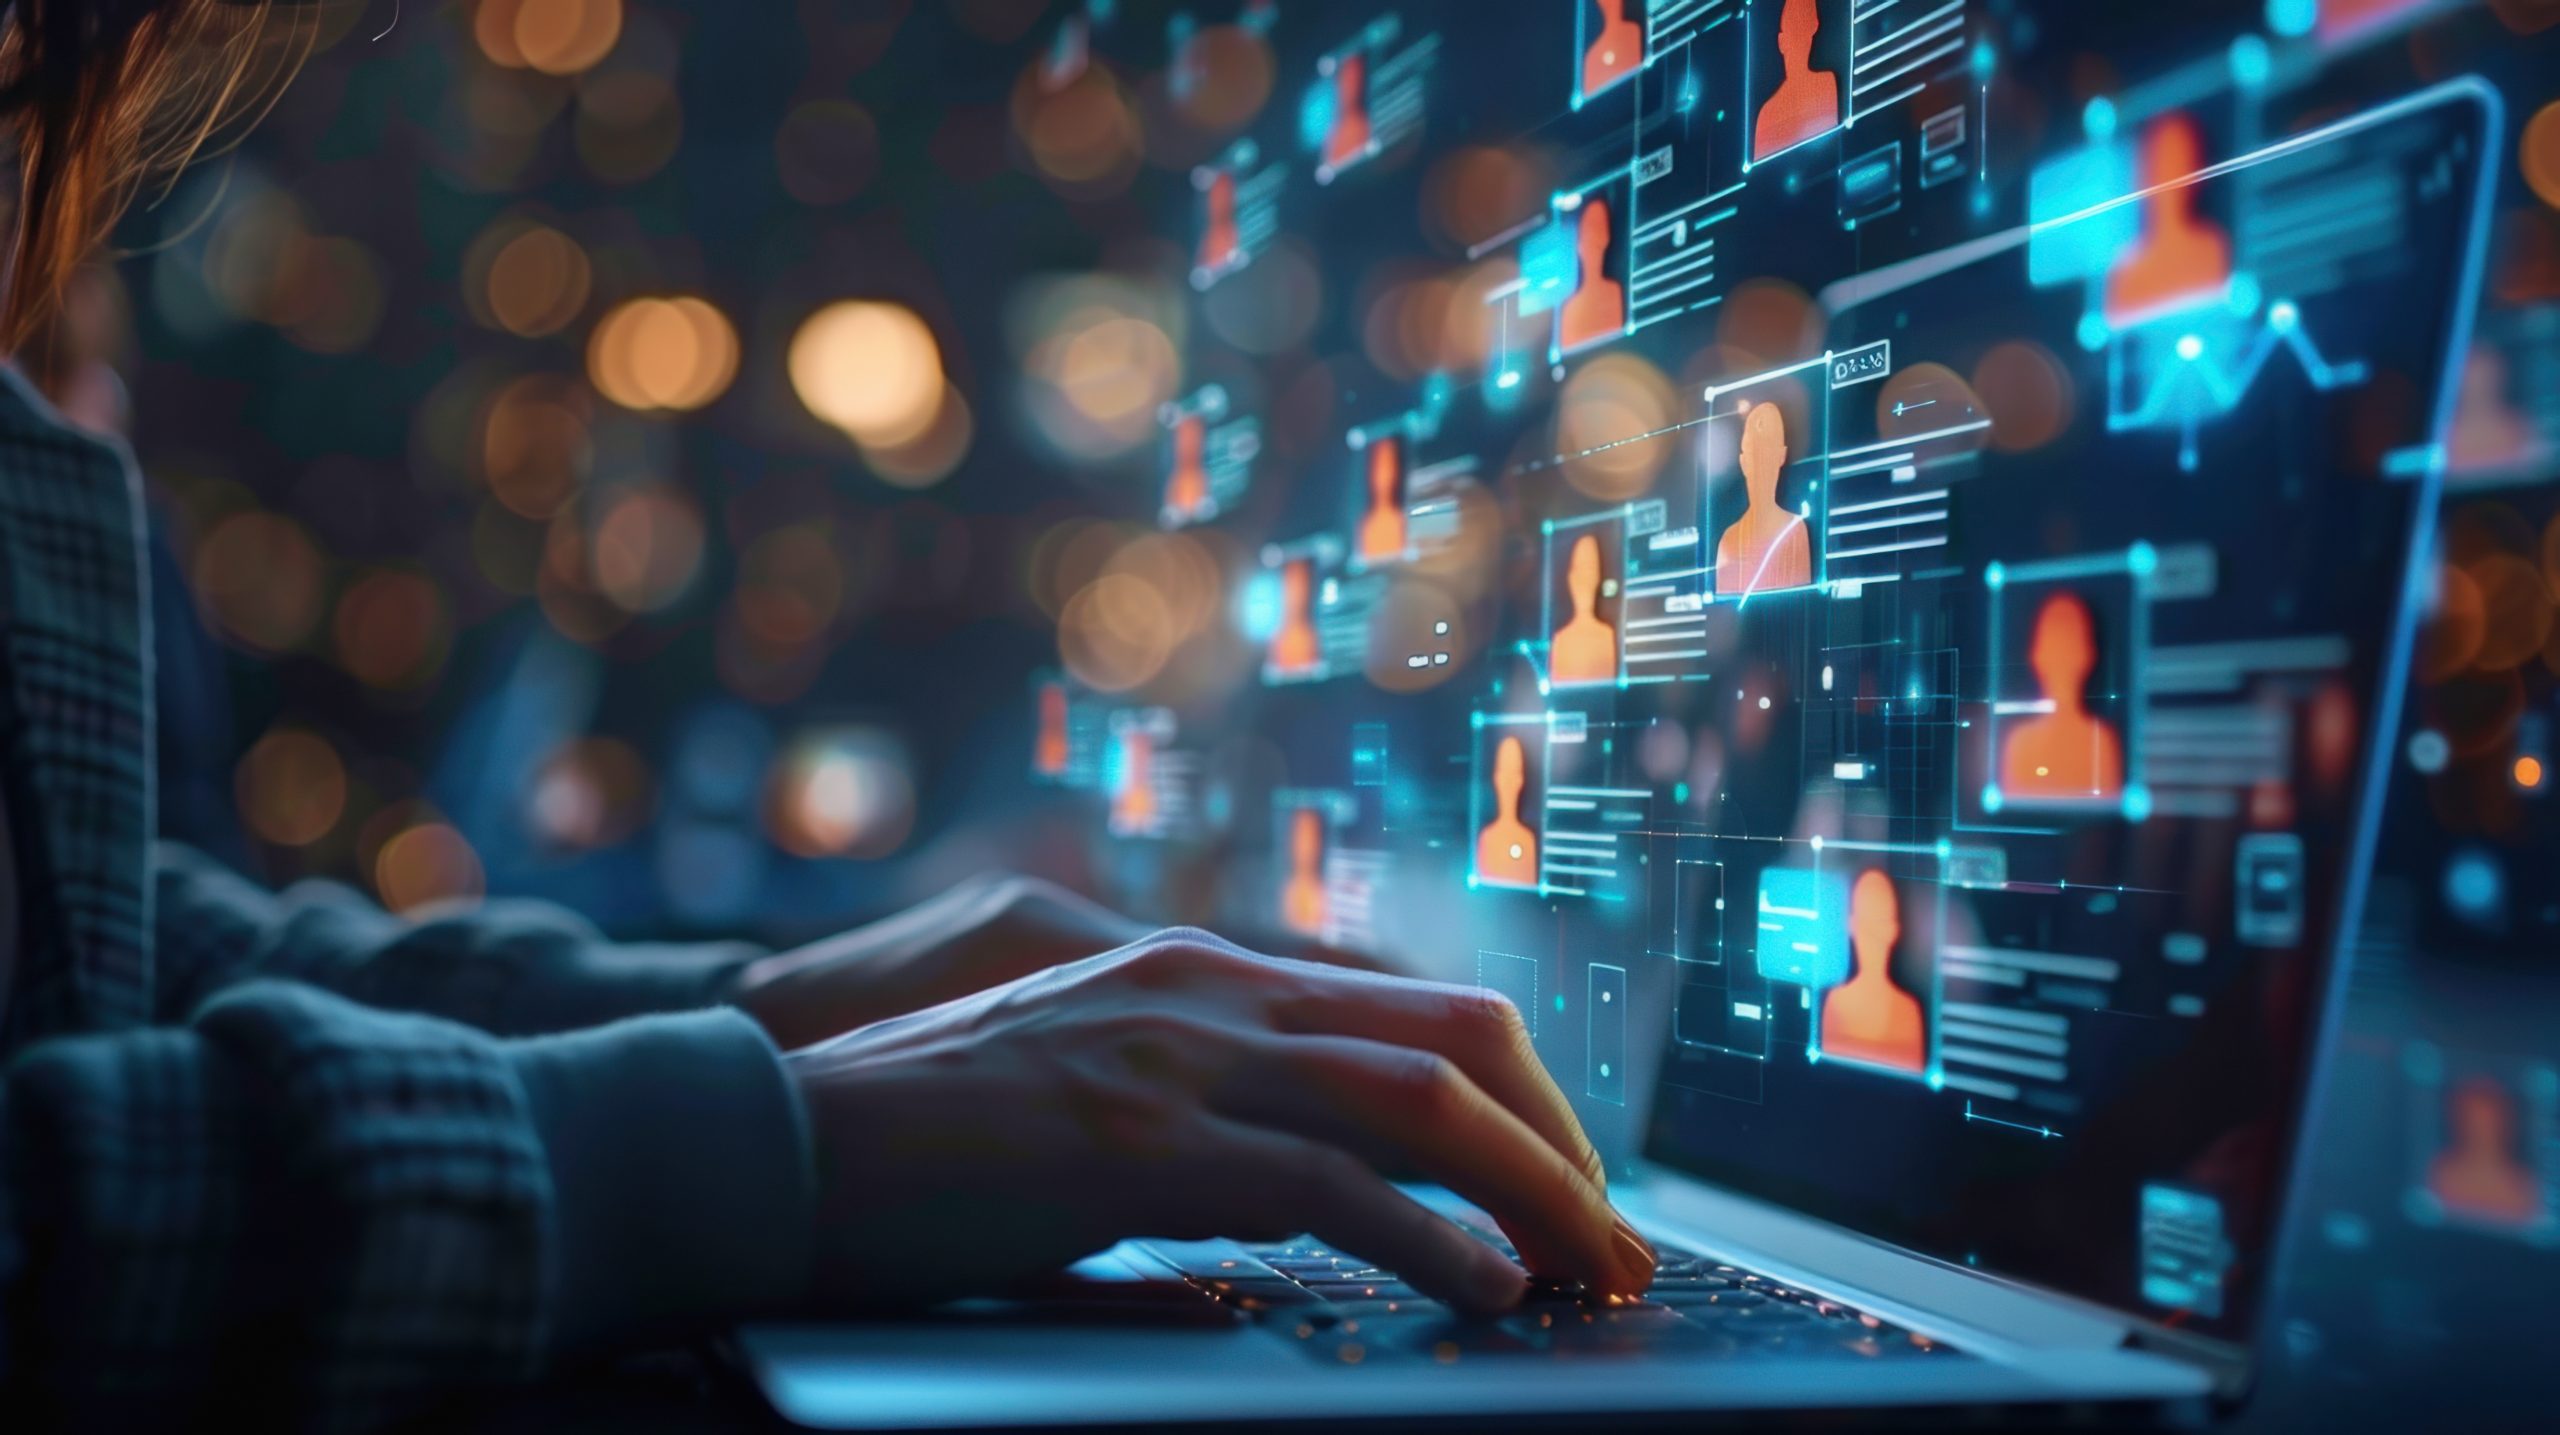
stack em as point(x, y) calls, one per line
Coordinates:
point(2428, 751)
point(2250, 62)
point(1985, 60)
point(2098, 118)
point(2241, 295)
point(1258, 607)
point(2142, 560)
point(1994, 574)
point(1804, 936)
point(2070, 184)
point(2137, 802)
point(2190, 347)
point(1315, 116)
point(2474, 887)
point(2293, 17)
point(1550, 269)
point(1992, 801)
point(2093, 332)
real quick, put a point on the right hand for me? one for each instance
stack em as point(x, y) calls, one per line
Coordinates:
point(1182, 1087)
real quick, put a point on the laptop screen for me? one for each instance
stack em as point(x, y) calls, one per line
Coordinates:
point(2008, 942)
point(1820, 530)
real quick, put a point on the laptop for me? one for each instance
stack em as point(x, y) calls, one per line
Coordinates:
point(1981, 1083)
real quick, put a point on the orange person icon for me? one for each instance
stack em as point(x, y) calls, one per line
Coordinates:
point(2478, 1173)
point(1585, 649)
point(1293, 647)
point(2488, 432)
point(2068, 752)
point(1186, 489)
point(1598, 308)
point(1766, 548)
point(1507, 850)
point(1868, 1018)
point(1218, 238)
point(1302, 900)
point(1808, 100)
point(1133, 806)
point(1348, 141)
point(1382, 530)
point(1049, 749)
point(1616, 51)
point(2183, 257)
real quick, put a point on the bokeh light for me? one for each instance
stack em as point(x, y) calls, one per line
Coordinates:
point(590, 792)
point(630, 123)
point(2538, 153)
point(427, 863)
point(673, 354)
point(1603, 418)
point(535, 448)
point(258, 576)
point(2027, 392)
point(291, 787)
point(555, 37)
point(646, 548)
point(392, 630)
point(845, 793)
point(871, 369)
point(1117, 632)
point(526, 278)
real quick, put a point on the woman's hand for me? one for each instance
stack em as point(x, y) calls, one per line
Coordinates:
point(983, 933)
point(1185, 1088)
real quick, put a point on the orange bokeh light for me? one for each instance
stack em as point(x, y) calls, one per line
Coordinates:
point(291, 787)
point(663, 354)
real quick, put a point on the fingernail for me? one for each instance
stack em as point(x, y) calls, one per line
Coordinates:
point(1636, 1256)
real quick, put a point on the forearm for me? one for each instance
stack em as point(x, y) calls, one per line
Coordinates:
point(351, 1212)
point(512, 968)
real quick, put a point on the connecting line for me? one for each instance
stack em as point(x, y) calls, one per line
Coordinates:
point(1529, 652)
point(2046, 1132)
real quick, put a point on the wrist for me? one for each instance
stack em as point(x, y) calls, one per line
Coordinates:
point(679, 1159)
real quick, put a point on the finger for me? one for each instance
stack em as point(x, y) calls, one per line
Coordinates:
point(1478, 1030)
point(1398, 1104)
point(1321, 954)
point(1273, 1179)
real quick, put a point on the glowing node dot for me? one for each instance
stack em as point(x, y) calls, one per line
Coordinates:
point(2093, 332)
point(1516, 853)
point(2428, 751)
point(2190, 347)
point(2282, 316)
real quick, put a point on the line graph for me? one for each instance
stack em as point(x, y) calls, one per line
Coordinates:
point(2195, 384)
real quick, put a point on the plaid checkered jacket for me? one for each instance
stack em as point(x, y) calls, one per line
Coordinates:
point(269, 1154)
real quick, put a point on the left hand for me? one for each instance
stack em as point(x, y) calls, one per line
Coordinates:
point(982, 933)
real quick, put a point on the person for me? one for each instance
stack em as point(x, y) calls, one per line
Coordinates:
point(1382, 528)
point(1219, 241)
point(1507, 848)
point(2183, 258)
point(1347, 142)
point(2068, 753)
point(1766, 547)
point(1294, 649)
point(2477, 1174)
point(1615, 51)
point(1598, 308)
point(1302, 900)
point(284, 1159)
point(1049, 749)
point(1585, 649)
point(1868, 1017)
point(1807, 101)
point(1186, 490)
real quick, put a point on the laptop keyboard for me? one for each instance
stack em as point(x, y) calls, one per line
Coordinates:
point(1347, 1311)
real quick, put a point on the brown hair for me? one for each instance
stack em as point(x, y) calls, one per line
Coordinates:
point(101, 95)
